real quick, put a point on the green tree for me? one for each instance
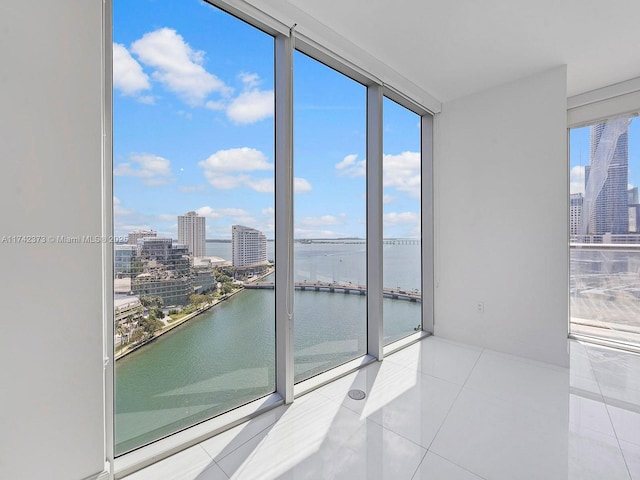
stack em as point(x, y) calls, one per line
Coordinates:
point(151, 301)
point(137, 335)
point(198, 299)
point(150, 324)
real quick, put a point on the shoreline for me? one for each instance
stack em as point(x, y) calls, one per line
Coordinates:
point(174, 324)
point(185, 319)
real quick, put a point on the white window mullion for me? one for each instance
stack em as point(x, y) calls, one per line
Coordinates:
point(374, 222)
point(426, 176)
point(284, 215)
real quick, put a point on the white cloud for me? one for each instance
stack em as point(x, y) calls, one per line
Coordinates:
point(235, 215)
point(301, 185)
point(237, 160)
point(576, 179)
point(264, 185)
point(393, 219)
point(154, 170)
point(232, 168)
point(347, 161)
point(250, 80)
point(268, 211)
point(350, 167)
point(215, 213)
point(402, 172)
point(387, 198)
point(128, 76)
point(119, 210)
point(177, 66)
point(251, 106)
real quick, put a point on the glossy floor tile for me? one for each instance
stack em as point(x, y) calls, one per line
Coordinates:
point(441, 410)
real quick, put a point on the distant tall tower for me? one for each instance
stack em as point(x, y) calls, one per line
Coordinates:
point(191, 232)
point(608, 211)
point(248, 246)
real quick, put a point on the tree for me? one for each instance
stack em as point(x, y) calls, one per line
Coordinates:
point(137, 335)
point(122, 333)
point(198, 300)
point(150, 324)
point(150, 301)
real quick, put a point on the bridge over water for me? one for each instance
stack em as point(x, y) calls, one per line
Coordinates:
point(358, 241)
point(347, 288)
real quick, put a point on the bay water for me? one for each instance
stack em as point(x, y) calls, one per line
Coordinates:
point(225, 357)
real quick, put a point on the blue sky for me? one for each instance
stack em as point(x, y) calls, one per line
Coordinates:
point(579, 141)
point(193, 130)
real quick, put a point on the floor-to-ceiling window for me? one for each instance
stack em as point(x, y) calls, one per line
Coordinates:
point(604, 224)
point(193, 142)
point(330, 217)
point(402, 234)
point(201, 159)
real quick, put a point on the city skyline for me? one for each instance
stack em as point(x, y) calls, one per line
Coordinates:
point(193, 131)
point(605, 206)
point(580, 156)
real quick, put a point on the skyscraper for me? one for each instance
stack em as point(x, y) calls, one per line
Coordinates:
point(575, 213)
point(248, 246)
point(605, 208)
point(191, 232)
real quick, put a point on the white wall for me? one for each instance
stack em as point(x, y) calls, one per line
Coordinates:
point(51, 405)
point(501, 194)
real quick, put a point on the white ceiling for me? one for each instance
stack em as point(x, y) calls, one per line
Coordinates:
point(452, 48)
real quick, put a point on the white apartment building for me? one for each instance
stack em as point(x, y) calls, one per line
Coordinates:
point(191, 232)
point(248, 246)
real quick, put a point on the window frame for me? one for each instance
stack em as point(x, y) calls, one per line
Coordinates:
point(286, 40)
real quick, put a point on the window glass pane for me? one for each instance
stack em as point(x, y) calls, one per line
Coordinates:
point(402, 260)
point(604, 223)
point(193, 170)
point(330, 218)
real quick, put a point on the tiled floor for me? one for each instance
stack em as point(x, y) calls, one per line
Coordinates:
point(441, 410)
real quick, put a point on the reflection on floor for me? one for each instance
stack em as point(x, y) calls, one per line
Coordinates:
point(441, 410)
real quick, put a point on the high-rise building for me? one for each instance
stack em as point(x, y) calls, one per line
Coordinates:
point(123, 258)
point(248, 246)
point(138, 234)
point(575, 213)
point(606, 180)
point(191, 232)
point(155, 248)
